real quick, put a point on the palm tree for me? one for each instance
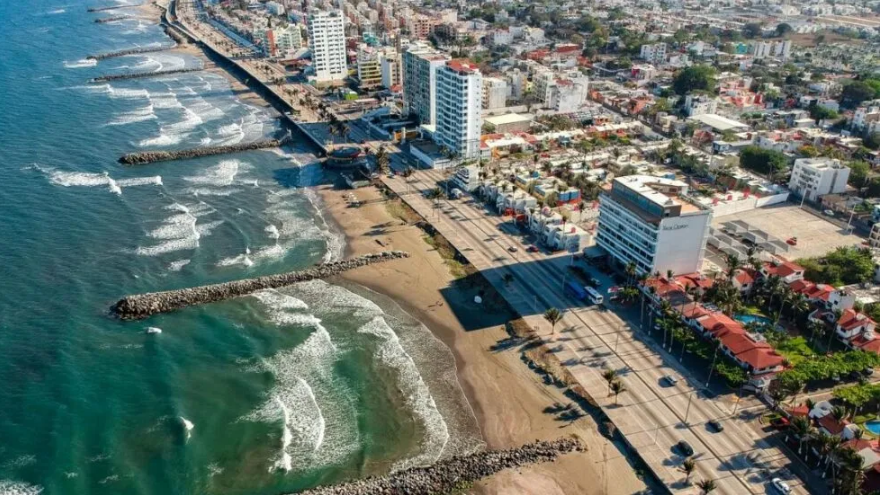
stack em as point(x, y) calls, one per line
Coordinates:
point(787, 297)
point(616, 388)
point(733, 264)
point(553, 316)
point(382, 160)
point(802, 429)
point(706, 486)
point(688, 466)
point(609, 375)
point(630, 272)
point(816, 327)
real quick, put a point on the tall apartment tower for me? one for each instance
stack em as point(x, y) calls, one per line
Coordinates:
point(327, 44)
point(459, 103)
point(420, 64)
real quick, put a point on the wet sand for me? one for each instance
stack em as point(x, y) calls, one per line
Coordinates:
point(507, 397)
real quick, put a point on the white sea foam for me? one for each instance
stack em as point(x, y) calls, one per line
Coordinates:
point(56, 11)
point(280, 301)
point(128, 93)
point(187, 426)
point(241, 259)
point(389, 352)
point(138, 115)
point(81, 63)
point(220, 175)
point(176, 266)
point(9, 487)
point(272, 231)
point(153, 330)
point(90, 179)
point(162, 140)
point(181, 231)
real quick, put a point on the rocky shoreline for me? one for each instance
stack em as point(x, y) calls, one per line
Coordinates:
point(141, 75)
point(130, 51)
point(145, 157)
point(112, 19)
point(138, 307)
point(455, 473)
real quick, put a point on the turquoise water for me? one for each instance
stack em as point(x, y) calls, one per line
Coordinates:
point(747, 318)
point(260, 395)
point(873, 427)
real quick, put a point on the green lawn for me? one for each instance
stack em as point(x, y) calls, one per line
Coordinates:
point(795, 350)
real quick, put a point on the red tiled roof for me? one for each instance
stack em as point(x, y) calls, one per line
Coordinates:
point(567, 48)
point(761, 358)
point(783, 269)
point(694, 280)
point(851, 319)
point(464, 66)
point(694, 311)
point(833, 426)
point(744, 277)
point(867, 345)
point(801, 410)
point(737, 343)
point(719, 324)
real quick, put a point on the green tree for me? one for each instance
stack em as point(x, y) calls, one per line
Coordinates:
point(617, 388)
point(707, 486)
point(821, 113)
point(752, 30)
point(855, 92)
point(688, 466)
point(694, 78)
point(783, 29)
point(859, 176)
point(872, 141)
point(553, 316)
point(768, 162)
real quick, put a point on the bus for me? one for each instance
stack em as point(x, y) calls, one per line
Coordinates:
point(576, 291)
point(593, 295)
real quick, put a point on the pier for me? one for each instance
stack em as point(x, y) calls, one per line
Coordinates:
point(131, 51)
point(138, 307)
point(112, 7)
point(142, 75)
point(145, 157)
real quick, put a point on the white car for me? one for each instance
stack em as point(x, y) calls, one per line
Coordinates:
point(780, 485)
point(830, 213)
point(671, 380)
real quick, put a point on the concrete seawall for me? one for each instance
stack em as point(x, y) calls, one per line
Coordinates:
point(142, 75)
point(138, 307)
point(130, 51)
point(145, 157)
point(112, 7)
point(449, 475)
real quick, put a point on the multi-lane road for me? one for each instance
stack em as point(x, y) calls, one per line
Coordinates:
point(654, 416)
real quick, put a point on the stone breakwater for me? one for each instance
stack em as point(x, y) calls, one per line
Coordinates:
point(173, 34)
point(454, 473)
point(144, 157)
point(141, 75)
point(112, 7)
point(112, 19)
point(130, 51)
point(138, 307)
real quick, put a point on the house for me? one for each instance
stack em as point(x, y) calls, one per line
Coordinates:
point(785, 270)
point(852, 324)
point(744, 279)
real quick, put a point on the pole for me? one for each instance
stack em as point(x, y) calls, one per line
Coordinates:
point(616, 340)
point(738, 397)
point(712, 368)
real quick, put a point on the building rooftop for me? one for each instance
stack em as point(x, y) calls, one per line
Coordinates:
point(651, 188)
point(463, 66)
point(718, 122)
point(508, 118)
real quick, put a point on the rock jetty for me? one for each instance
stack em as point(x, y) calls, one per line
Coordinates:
point(112, 7)
point(112, 19)
point(454, 473)
point(130, 51)
point(144, 157)
point(141, 75)
point(173, 34)
point(138, 307)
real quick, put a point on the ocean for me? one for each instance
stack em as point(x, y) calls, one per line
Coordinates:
point(265, 394)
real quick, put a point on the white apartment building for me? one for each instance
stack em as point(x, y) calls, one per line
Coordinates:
point(327, 44)
point(762, 49)
point(275, 8)
point(495, 93)
point(368, 67)
point(782, 49)
point(459, 106)
point(280, 41)
point(390, 69)
point(816, 177)
point(568, 94)
point(420, 65)
point(866, 116)
point(700, 105)
point(655, 54)
point(650, 221)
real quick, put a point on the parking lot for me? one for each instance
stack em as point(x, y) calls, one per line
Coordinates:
point(815, 235)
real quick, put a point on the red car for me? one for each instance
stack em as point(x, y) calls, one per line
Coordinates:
point(532, 249)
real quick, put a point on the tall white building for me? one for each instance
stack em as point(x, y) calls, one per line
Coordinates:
point(420, 65)
point(327, 44)
point(390, 68)
point(816, 177)
point(655, 54)
point(459, 103)
point(650, 221)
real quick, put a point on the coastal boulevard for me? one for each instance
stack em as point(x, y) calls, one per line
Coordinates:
point(652, 415)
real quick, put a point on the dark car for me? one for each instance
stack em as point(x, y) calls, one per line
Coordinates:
point(716, 425)
point(685, 448)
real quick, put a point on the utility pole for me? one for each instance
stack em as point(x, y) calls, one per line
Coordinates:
point(712, 368)
point(688, 410)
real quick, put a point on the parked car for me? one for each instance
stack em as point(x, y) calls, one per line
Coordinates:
point(671, 380)
point(830, 213)
point(780, 485)
point(868, 371)
point(594, 282)
point(685, 448)
point(532, 249)
point(716, 425)
point(779, 423)
point(512, 249)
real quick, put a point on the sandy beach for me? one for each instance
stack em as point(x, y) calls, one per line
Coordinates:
point(509, 400)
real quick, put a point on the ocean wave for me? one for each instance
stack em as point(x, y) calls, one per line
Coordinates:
point(318, 420)
point(56, 11)
point(220, 175)
point(81, 63)
point(138, 115)
point(91, 179)
point(176, 266)
point(162, 140)
point(9, 487)
point(181, 231)
point(390, 353)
